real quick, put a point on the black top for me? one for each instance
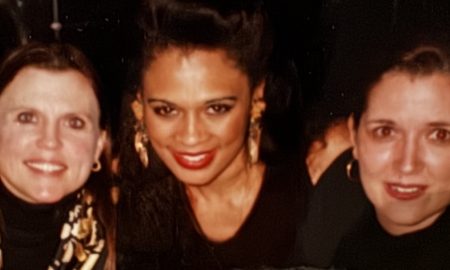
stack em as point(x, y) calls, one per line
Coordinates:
point(334, 207)
point(266, 237)
point(369, 246)
point(162, 233)
point(30, 236)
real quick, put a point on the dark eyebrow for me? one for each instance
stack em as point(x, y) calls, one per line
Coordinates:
point(85, 115)
point(230, 98)
point(439, 124)
point(151, 100)
point(381, 121)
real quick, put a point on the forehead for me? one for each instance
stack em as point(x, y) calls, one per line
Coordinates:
point(42, 87)
point(418, 95)
point(193, 71)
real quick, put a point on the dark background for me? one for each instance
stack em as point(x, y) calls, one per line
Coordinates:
point(319, 35)
point(102, 29)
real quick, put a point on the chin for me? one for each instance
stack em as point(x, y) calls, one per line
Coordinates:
point(191, 179)
point(194, 182)
point(198, 177)
point(410, 221)
point(48, 197)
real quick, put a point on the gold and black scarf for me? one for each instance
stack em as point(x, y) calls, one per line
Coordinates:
point(82, 238)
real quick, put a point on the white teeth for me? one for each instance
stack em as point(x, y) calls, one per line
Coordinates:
point(46, 167)
point(406, 189)
point(194, 158)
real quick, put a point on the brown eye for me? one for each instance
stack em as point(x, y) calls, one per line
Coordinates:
point(165, 110)
point(383, 132)
point(218, 108)
point(440, 135)
point(76, 123)
point(26, 118)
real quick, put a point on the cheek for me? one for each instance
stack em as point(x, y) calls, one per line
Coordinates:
point(81, 148)
point(159, 131)
point(13, 140)
point(373, 165)
point(231, 129)
point(438, 165)
point(374, 159)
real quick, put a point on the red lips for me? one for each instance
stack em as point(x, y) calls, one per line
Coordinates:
point(405, 192)
point(194, 161)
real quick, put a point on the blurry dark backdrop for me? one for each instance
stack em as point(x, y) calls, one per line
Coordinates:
point(321, 37)
point(103, 30)
point(99, 27)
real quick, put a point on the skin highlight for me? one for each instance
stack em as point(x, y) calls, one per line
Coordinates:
point(402, 145)
point(196, 110)
point(50, 135)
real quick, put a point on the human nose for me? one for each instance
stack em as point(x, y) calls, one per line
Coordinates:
point(409, 156)
point(49, 137)
point(191, 131)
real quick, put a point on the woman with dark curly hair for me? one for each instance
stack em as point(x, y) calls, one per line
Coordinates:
point(209, 96)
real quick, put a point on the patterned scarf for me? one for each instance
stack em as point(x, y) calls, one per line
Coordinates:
point(82, 238)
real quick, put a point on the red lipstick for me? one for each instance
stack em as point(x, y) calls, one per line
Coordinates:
point(405, 192)
point(194, 161)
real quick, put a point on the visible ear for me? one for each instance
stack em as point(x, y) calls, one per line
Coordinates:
point(258, 105)
point(137, 107)
point(101, 143)
point(352, 130)
point(258, 94)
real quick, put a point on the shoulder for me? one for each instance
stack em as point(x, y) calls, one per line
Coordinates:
point(324, 151)
point(334, 206)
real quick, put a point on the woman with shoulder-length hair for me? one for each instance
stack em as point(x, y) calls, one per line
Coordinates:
point(400, 133)
point(55, 206)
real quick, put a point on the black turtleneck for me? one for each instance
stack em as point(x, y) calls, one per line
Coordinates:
point(30, 232)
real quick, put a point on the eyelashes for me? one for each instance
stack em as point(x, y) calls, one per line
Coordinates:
point(217, 109)
point(76, 123)
point(27, 118)
point(440, 135)
point(32, 118)
point(166, 110)
point(383, 132)
point(436, 135)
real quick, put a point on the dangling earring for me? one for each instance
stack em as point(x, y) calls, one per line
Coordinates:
point(349, 169)
point(140, 140)
point(254, 133)
point(97, 166)
point(140, 137)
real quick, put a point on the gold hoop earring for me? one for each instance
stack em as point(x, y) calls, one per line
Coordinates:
point(140, 141)
point(349, 170)
point(254, 133)
point(97, 166)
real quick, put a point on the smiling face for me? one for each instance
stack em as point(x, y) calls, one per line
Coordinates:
point(196, 112)
point(403, 148)
point(50, 135)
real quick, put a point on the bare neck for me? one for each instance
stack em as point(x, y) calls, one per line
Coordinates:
point(221, 207)
point(237, 175)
